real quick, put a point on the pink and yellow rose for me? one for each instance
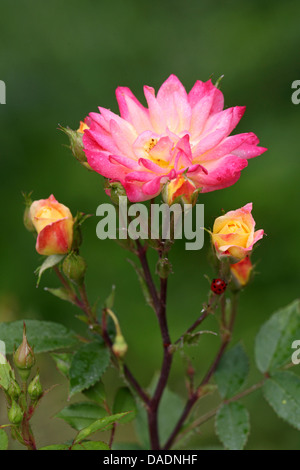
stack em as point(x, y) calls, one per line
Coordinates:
point(233, 234)
point(178, 133)
point(54, 225)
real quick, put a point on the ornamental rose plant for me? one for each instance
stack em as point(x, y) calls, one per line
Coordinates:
point(176, 148)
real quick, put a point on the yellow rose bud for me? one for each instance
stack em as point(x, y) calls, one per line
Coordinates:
point(54, 224)
point(233, 234)
point(181, 190)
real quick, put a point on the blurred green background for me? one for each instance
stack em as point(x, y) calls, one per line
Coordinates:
point(60, 60)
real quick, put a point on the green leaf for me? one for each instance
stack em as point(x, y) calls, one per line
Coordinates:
point(44, 336)
point(63, 362)
point(88, 365)
point(124, 401)
point(6, 373)
point(91, 445)
point(232, 425)
point(99, 425)
point(56, 447)
point(232, 371)
point(81, 415)
point(96, 393)
point(274, 340)
point(48, 263)
point(126, 446)
point(3, 440)
point(282, 392)
point(61, 293)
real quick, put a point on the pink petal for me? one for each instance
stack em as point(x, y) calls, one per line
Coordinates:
point(221, 173)
point(100, 162)
point(156, 113)
point(173, 99)
point(121, 139)
point(201, 89)
point(132, 110)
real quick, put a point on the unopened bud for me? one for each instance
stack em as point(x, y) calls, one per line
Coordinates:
point(74, 268)
point(115, 190)
point(180, 190)
point(35, 390)
point(24, 358)
point(163, 268)
point(120, 346)
point(15, 414)
point(26, 217)
point(14, 390)
point(76, 144)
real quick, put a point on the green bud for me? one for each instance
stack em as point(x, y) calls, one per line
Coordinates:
point(35, 390)
point(116, 190)
point(15, 414)
point(120, 346)
point(14, 390)
point(24, 358)
point(76, 145)
point(163, 268)
point(26, 217)
point(27, 221)
point(74, 268)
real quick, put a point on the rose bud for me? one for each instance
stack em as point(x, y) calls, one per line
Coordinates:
point(15, 414)
point(233, 234)
point(76, 145)
point(180, 190)
point(54, 224)
point(241, 272)
point(35, 390)
point(120, 346)
point(74, 267)
point(24, 358)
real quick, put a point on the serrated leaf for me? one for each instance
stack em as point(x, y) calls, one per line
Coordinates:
point(273, 341)
point(44, 336)
point(232, 425)
point(3, 440)
point(232, 371)
point(55, 447)
point(96, 393)
point(63, 362)
point(99, 425)
point(282, 392)
point(124, 401)
point(91, 445)
point(48, 263)
point(61, 293)
point(88, 365)
point(81, 415)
